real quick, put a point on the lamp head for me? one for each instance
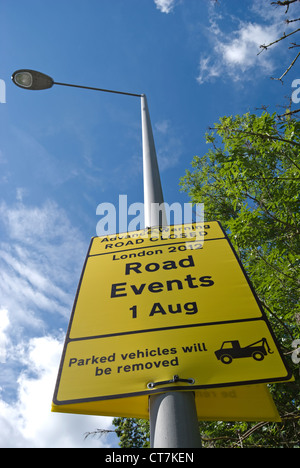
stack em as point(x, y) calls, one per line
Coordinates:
point(31, 79)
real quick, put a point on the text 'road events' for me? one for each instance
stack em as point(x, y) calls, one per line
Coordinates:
point(120, 289)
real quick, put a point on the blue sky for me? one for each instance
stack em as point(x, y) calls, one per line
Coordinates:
point(64, 151)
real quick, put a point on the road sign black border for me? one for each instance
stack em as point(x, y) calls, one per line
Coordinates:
point(168, 387)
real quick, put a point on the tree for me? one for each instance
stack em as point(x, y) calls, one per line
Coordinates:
point(250, 180)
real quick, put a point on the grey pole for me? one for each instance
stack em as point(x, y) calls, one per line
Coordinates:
point(173, 415)
point(153, 195)
point(173, 421)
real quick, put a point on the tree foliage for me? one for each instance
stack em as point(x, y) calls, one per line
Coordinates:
point(132, 432)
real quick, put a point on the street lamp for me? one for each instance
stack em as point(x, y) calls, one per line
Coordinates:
point(34, 80)
point(173, 416)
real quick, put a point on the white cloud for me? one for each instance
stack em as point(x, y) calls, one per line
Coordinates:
point(20, 193)
point(4, 323)
point(208, 69)
point(162, 126)
point(169, 145)
point(165, 6)
point(235, 53)
point(243, 49)
point(28, 421)
point(169, 152)
point(40, 263)
point(238, 55)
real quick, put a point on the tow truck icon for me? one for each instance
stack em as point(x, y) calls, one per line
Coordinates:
point(232, 350)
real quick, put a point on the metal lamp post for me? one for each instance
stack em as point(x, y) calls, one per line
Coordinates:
point(173, 416)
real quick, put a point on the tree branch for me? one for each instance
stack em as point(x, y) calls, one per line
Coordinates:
point(266, 136)
point(98, 432)
point(287, 114)
point(269, 137)
point(292, 21)
point(265, 47)
point(286, 3)
point(288, 69)
point(277, 318)
point(276, 268)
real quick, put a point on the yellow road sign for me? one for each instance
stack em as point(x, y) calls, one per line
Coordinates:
point(152, 307)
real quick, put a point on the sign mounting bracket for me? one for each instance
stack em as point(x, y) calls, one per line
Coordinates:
point(174, 380)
